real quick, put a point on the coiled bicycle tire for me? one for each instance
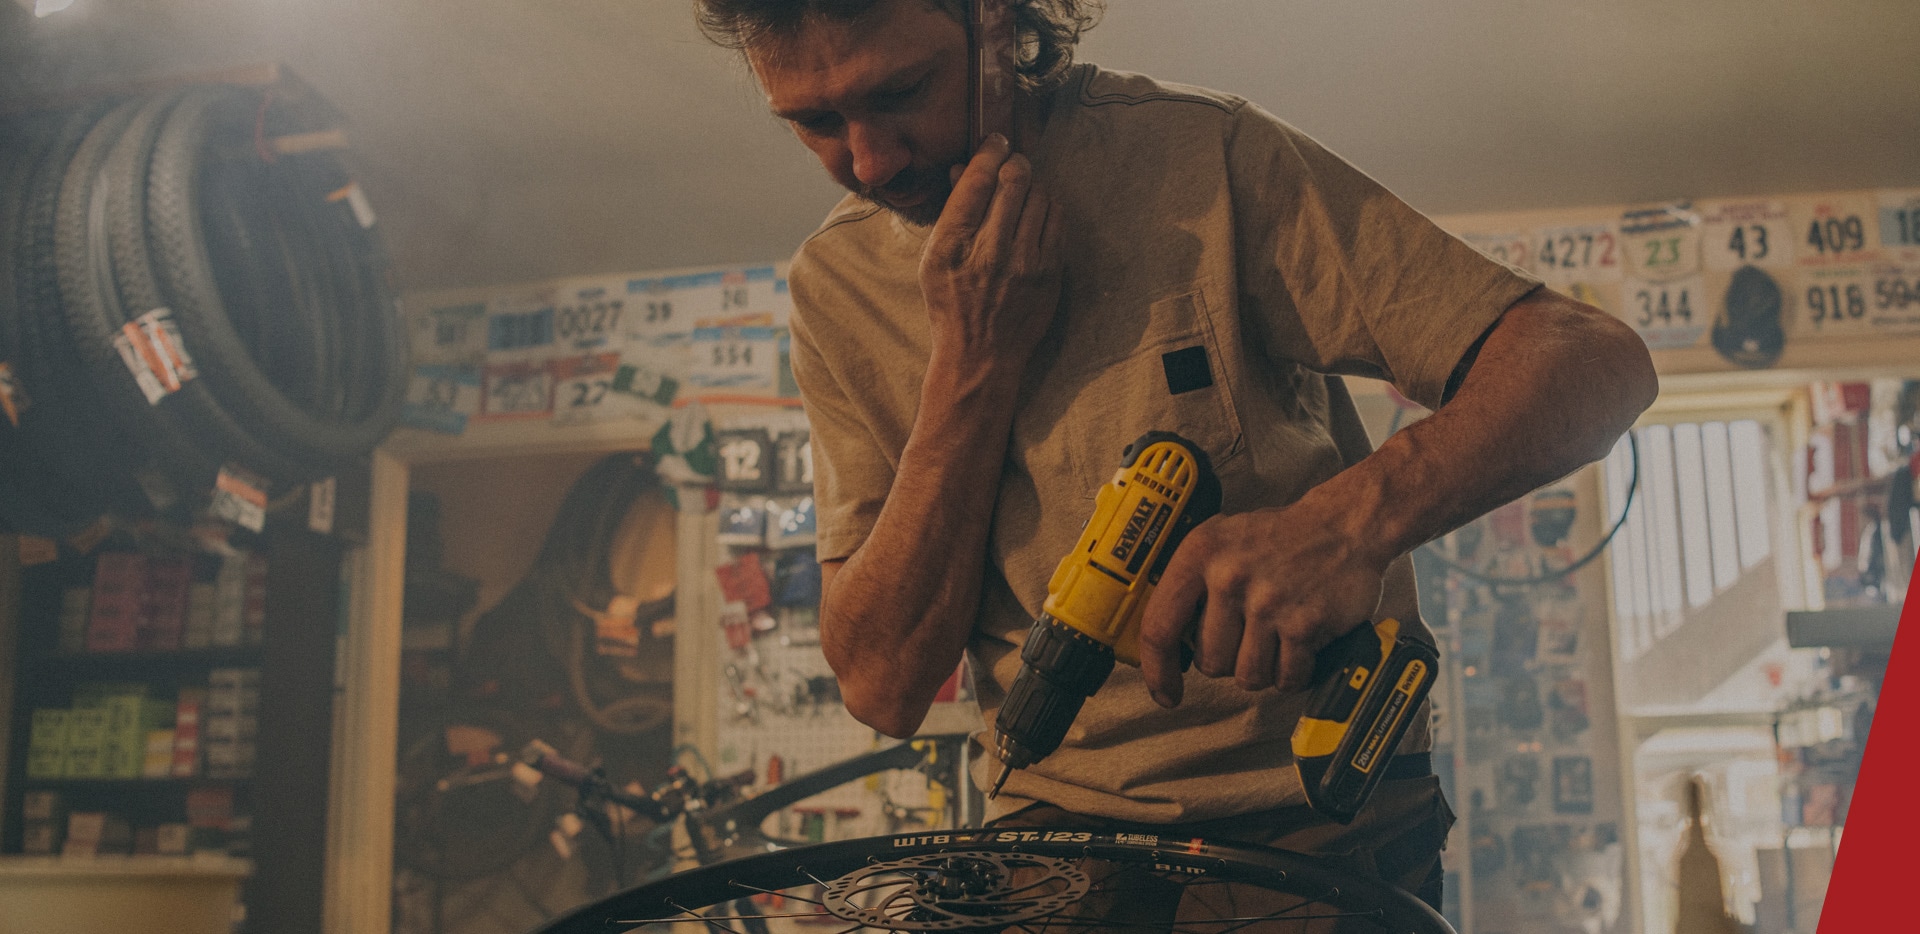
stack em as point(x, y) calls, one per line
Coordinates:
point(176, 179)
point(63, 429)
point(193, 433)
point(710, 899)
point(33, 498)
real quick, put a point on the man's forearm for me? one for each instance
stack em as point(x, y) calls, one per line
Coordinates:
point(896, 616)
point(1553, 387)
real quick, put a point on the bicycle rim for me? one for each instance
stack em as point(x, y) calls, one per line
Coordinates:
point(1026, 880)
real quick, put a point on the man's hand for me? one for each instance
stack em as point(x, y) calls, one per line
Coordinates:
point(991, 269)
point(1270, 589)
point(1554, 384)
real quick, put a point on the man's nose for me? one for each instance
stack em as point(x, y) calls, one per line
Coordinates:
point(879, 153)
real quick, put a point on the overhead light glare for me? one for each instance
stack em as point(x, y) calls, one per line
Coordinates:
point(50, 7)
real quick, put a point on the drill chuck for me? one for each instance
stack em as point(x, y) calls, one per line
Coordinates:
point(1060, 668)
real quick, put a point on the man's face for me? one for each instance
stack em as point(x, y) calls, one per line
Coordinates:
point(881, 101)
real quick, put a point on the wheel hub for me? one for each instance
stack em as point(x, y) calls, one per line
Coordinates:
point(956, 891)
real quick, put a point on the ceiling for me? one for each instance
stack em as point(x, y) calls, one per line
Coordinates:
point(514, 140)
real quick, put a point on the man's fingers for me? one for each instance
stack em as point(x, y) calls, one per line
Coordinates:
point(998, 235)
point(1221, 626)
point(1163, 624)
point(1259, 651)
point(973, 194)
point(1295, 671)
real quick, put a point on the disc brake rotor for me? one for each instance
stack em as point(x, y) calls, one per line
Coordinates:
point(956, 891)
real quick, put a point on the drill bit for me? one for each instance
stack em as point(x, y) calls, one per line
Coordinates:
point(999, 783)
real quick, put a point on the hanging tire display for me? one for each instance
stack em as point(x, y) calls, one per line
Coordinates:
point(177, 300)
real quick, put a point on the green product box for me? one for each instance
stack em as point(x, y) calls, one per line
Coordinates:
point(130, 719)
point(87, 742)
point(47, 744)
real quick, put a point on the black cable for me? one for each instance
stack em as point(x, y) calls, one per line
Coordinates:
point(1633, 487)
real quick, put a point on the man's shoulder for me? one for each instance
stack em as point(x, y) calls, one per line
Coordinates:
point(1092, 86)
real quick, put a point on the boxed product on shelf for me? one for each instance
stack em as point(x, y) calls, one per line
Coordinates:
point(201, 599)
point(253, 617)
point(86, 743)
point(119, 602)
point(168, 580)
point(76, 604)
point(47, 744)
point(229, 602)
point(188, 709)
point(43, 819)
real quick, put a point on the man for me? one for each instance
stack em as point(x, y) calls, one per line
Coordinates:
point(978, 335)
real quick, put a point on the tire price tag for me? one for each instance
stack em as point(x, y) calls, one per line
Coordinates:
point(240, 497)
point(1746, 233)
point(151, 348)
point(583, 389)
point(12, 399)
point(1667, 315)
point(1514, 249)
point(1877, 300)
point(441, 398)
point(516, 391)
point(1580, 253)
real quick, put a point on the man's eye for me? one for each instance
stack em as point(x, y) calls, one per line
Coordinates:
point(819, 123)
point(893, 100)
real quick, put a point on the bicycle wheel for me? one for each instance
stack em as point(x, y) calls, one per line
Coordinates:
point(1026, 880)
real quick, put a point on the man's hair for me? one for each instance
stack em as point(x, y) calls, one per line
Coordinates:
point(1047, 30)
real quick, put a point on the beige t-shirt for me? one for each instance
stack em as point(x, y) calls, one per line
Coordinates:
point(1194, 220)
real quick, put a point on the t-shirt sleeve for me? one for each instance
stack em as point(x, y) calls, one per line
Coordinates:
point(1343, 276)
point(851, 474)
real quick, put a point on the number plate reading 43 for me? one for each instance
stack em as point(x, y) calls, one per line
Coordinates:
point(1879, 300)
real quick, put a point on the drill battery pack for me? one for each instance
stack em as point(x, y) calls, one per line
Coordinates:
point(1370, 684)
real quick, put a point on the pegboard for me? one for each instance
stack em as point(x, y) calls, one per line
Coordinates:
point(777, 707)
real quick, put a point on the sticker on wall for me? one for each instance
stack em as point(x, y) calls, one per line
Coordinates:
point(1514, 249)
point(583, 390)
point(520, 326)
point(450, 334)
point(1746, 233)
point(588, 318)
point(1580, 253)
point(1662, 293)
point(739, 353)
point(1661, 243)
point(1881, 299)
point(516, 390)
point(1666, 314)
point(1750, 328)
point(441, 397)
point(1900, 224)
point(1834, 231)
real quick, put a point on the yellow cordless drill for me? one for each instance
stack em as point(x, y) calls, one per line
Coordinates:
point(1371, 681)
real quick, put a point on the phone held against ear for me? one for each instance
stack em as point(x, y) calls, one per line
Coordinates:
point(990, 71)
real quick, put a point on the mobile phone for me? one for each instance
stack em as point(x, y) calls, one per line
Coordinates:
point(990, 71)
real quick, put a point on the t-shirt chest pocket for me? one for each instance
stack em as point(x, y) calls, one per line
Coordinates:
point(1172, 377)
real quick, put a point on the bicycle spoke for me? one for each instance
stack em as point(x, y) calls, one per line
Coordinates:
point(781, 893)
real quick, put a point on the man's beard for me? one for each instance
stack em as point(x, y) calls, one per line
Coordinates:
point(914, 180)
